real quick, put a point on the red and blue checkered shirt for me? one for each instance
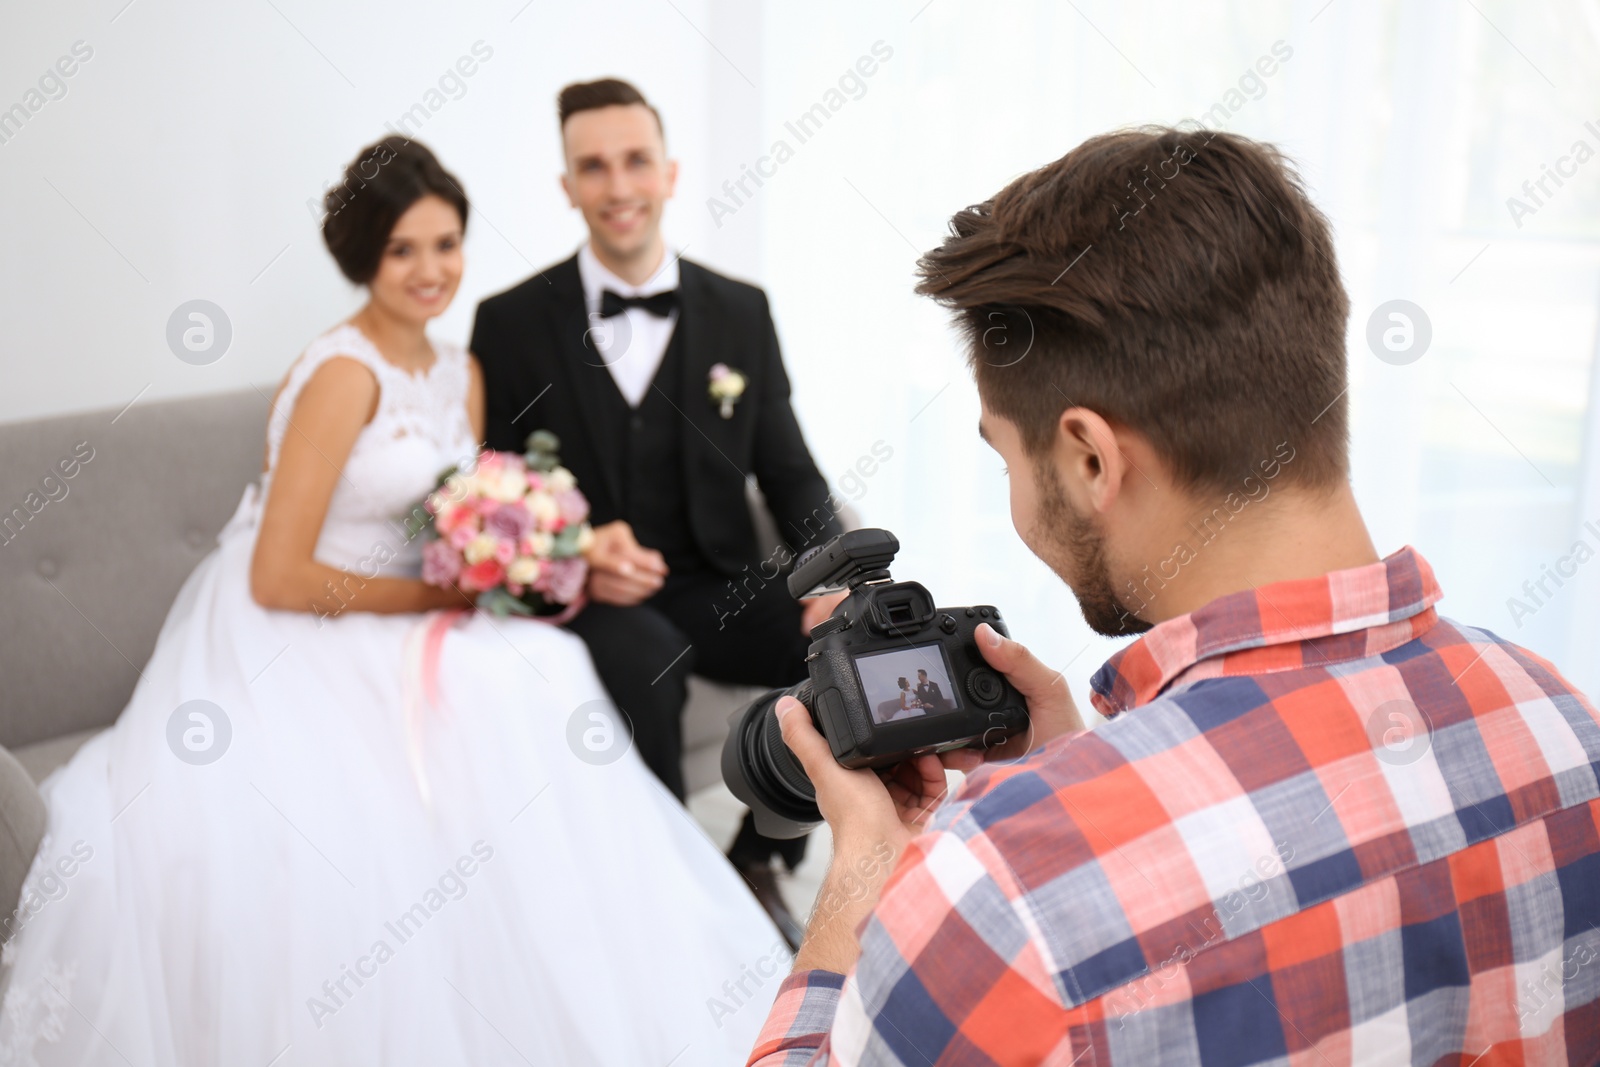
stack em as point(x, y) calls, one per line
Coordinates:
point(1321, 826)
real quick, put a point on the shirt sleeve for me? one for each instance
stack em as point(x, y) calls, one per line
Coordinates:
point(948, 973)
point(797, 1027)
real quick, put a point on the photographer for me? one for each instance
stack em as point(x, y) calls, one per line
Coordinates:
point(1319, 816)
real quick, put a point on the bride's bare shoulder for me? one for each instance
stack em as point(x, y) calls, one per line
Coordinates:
point(339, 398)
point(339, 388)
point(343, 383)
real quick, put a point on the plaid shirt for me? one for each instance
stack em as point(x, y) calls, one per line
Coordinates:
point(1337, 829)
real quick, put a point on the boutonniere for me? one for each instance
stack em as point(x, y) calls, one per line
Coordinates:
point(725, 387)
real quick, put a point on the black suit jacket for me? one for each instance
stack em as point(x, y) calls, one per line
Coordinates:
point(542, 372)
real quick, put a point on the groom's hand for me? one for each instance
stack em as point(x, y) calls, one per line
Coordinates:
point(622, 571)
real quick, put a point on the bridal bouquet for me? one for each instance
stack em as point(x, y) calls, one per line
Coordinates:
point(511, 529)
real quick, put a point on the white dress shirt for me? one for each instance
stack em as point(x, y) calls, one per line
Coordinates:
point(633, 343)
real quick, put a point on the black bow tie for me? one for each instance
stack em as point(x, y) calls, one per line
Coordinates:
point(658, 304)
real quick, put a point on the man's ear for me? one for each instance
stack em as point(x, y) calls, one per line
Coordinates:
point(566, 187)
point(672, 177)
point(1088, 458)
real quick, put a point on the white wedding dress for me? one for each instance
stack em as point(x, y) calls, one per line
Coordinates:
point(344, 885)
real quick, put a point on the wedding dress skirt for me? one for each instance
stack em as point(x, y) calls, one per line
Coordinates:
point(302, 876)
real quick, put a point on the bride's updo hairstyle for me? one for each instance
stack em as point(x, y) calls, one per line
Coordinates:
point(379, 185)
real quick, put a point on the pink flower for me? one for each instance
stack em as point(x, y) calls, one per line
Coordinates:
point(498, 518)
point(562, 579)
point(440, 563)
point(483, 575)
point(509, 520)
point(453, 517)
point(573, 504)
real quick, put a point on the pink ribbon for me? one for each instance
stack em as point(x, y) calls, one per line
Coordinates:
point(438, 624)
point(423, 647)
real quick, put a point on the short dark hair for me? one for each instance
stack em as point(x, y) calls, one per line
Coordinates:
point(1177, 282)
point(379, 186)
point(606, 92)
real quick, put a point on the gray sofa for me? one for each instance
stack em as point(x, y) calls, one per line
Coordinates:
point(102, 516)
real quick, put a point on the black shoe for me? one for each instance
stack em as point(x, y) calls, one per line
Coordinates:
point(763, 882)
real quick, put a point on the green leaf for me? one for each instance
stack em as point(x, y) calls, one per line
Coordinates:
point(565, 544)
point(542, 451)
point(500, 603)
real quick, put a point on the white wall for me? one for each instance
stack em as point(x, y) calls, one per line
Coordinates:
point(1412, 124)
point(179, 163)
point(180, 160)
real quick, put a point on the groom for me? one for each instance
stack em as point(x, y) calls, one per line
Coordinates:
point(664, 383)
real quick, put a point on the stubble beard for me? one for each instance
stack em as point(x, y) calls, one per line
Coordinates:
point(1077, 553)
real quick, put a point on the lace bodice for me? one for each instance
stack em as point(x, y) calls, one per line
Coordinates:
point(419, 430)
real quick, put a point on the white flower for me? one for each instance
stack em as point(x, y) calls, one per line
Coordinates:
point(544, 508)
point(728, 385)
point(725, 387)
point(560, 480)
point(480, 548)
point(506, 485)
point(524, 570)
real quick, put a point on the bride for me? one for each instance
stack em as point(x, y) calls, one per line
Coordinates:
point(284, 856)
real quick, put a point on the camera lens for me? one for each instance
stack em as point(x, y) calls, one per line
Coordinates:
point(760, 769)
point(785, 768)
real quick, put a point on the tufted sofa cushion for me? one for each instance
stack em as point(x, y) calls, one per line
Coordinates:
point(90, 561)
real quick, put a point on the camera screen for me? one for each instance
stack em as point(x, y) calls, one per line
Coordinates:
point(906, 683)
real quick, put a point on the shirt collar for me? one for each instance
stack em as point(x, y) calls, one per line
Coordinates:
point(1362, 611)
point(597, 278)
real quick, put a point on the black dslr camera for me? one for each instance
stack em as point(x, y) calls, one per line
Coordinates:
point(892, 676)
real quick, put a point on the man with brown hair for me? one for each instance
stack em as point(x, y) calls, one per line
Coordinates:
point(1322, 823)
point(637, 348)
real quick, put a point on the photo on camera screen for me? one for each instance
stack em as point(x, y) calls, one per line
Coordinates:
point(906, 683)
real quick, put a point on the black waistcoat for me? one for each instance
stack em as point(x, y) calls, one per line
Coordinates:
point(650, 461)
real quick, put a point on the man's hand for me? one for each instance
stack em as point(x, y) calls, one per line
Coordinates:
point(873, 815)
point(622, 571)
point(1051, 711)
point(816, 609)
point(892, 803)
